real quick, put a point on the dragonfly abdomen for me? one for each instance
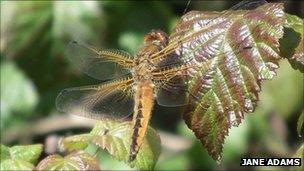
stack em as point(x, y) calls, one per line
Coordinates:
point(144, 101)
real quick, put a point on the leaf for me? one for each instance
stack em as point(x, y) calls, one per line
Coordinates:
point(15, 164)
point(114, 137)
point(74, 24)
point(20, 157)
point(75, 161)
point(18, 93)
point(297, 58)
point(116, 140)
point(240, 50)
point(31, 20)
point(29, 153)
point(76, 142)
point(300, 124)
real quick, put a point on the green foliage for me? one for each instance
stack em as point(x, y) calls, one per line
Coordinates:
point(114, 137)
point(19, 157)
point(36, 41)
point(15, 164)
point(74, 161)
point(18, 94)
point(76, 142)
point(295, 55)
point(31, 21)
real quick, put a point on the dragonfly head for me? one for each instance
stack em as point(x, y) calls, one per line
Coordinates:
point(156, 37)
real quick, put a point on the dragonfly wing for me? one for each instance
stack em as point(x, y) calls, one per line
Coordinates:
point(172, 93)
point(99, 64)
point(108, 100)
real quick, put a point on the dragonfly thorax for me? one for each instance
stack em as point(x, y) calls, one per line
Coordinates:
point(144, 65)
point(143, 71)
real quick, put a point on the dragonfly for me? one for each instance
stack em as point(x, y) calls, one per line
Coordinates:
point(158, 72)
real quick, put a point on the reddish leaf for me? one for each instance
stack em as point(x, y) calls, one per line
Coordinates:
point(240, 49)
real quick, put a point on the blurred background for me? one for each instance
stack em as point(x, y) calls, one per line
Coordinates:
point(34, 69)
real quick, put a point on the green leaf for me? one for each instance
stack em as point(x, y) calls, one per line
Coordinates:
point(18, 93)
point(29, 153)
point(75, 25)
point(297, 58)
point(76, 142)
point(75, 161)
point(16, 164)
point(20, 157)
point(300, 125)
point(232, 55)
point(31, 21)
point(114, 137)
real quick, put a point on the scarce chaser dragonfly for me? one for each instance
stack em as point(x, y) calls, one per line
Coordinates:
point(158, 72)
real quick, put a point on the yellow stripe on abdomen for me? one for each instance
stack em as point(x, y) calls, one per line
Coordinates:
point(144, 101)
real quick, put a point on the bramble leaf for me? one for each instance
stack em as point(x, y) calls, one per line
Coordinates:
point(114, 137)
point(234, 52)
point(116, 140)
point(20, 157)
point(75, 161)
point(76, 142)
point(29, 153)
point(16, 164)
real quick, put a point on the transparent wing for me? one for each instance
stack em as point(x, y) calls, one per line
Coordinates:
point(173, 82)
point(99, 64)
point(172, 93)
point(108, 100)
